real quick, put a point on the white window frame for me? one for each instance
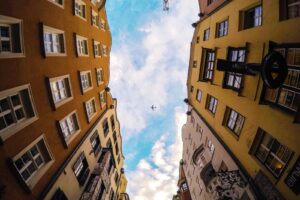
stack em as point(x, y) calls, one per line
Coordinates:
point(5, 20)
point(102, 98)
point(68, 122)
point(66, 79)
point(87, 74)
point(42, 169)
point(102, 24)
point(54, 31)
point(58, 4)
point(99, 76)
point(18, 125)
point(104, 50)
point(88, 106)
point(80, 47)
point(212, 104)
point(198, 95)
point(80, 14)
point(97, 49)
point(95, 19)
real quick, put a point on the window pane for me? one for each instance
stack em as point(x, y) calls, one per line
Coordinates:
point(4, 105)
point(9, 119)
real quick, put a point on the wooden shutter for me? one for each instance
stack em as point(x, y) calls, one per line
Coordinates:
point(16, 38)
point(256, 142)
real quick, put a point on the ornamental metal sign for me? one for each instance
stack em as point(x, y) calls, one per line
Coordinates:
point(293, 178)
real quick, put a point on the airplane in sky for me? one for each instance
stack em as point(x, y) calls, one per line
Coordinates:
point(153, 107)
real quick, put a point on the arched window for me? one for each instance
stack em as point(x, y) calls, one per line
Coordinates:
point(198, 156)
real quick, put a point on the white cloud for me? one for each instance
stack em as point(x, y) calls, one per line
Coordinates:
point(156, 176)
point(144, 72)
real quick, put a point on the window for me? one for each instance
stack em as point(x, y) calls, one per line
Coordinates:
point(115, 136)
point(90, 108)
point(102, 24)
point(192, 89)
point(208, 64)
point(116, 178)
point(206, 34)
point(198, 95)
point(199, 130)
point(95, 142)
point(293, 7)
point(95, 19)
point(11, 37)
point(61, 90)
point(33, 161)
point(81, 169)
point(184, 187)
point(210, 146)
point(112, 122)
point(104, 50)
point(234, 80)
point(195, 63)
point(82, 46)
point(288, 95)
point(99, 74)
point(86, 81)
point(54, 41)
point(97, 49)
point(69, 126)
point(105, 127)
point(16, 110)
point(198, 157)
point(253, 17)
point(271, 152)
point(117, 148)
point(222, 28)
point(197, 39)
point(59, 3)
point(210, 2)
point(234, 121)
point(111, 195)
point(211, 104)
point(80, 9)
point(102, 97)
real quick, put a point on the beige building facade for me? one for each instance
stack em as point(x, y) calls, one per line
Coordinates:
point(211, 173)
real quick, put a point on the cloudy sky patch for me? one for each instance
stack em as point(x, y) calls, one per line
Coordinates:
point(149, 62)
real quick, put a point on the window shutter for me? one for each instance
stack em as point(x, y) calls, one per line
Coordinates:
point(62, 44)
point(256, 142)
point(91, 15)
point(83, 11)
point(226, 116)
point(16, 41)
point(282, 10)
point(85, 47)
point(93, 42)
point(297, 116)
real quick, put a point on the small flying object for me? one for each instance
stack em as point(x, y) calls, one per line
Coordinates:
point(166, 5)
point(153, 107)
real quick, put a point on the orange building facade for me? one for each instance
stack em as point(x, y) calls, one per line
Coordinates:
point(55, 100)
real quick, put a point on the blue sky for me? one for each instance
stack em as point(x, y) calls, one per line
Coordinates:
point(149, 62)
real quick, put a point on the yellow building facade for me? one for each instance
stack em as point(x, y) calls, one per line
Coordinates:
point(260, 126)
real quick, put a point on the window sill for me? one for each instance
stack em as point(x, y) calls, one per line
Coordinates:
point(96, 56)
point(94, 25)
point(55, 54)
point(102, 105)
point(12, 55)
point(90, 118)
point(5, 134)
point(57, 4)
point(71, 138)
point(100, 83)
point(83, 55)
point(237, 137)
point(60, 103)
point(87, 89)
point(84, 19)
